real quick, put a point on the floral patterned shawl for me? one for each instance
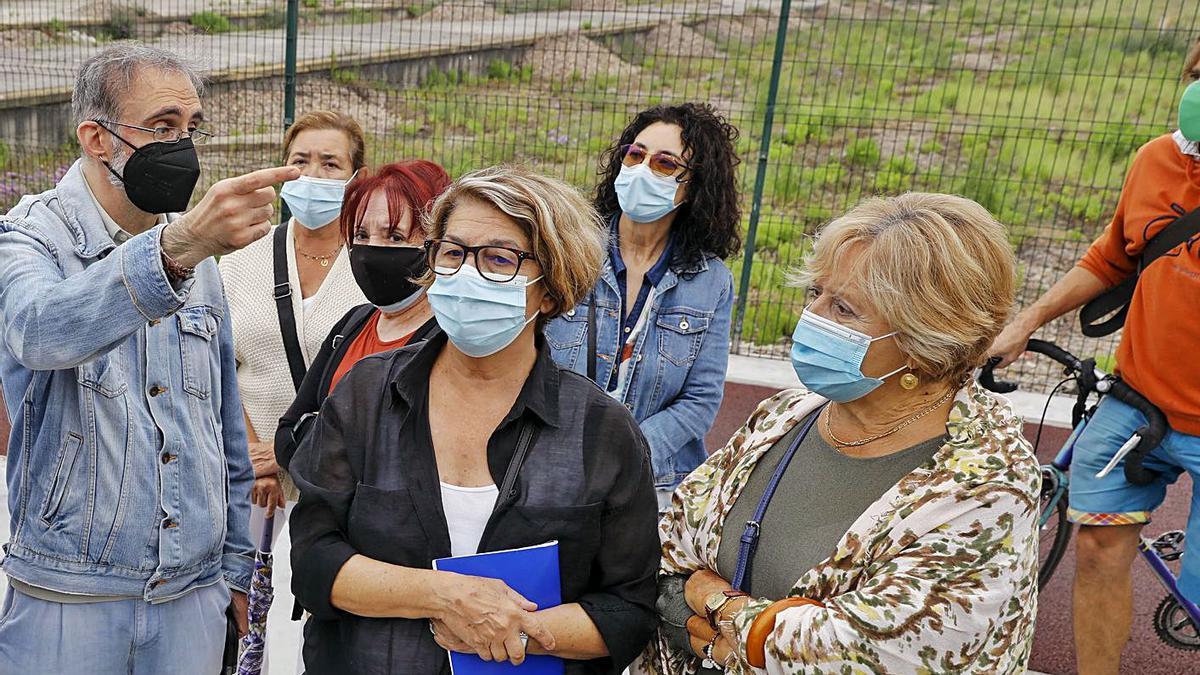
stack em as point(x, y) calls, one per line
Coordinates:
point(937, 576)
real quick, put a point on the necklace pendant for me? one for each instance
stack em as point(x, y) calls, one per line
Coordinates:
point(324, 262)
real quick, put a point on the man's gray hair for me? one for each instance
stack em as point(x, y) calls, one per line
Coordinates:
point(104, 79)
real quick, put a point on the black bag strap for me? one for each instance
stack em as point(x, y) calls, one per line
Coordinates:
point(591, 329)
point(283, 306)
point(1115, 301)
point(508, 486)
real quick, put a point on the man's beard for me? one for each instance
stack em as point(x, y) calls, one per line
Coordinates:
point(119, 158)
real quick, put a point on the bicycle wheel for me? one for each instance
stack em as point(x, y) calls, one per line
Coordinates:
point(1055, 532)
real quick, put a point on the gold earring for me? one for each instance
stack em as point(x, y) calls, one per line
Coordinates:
point(909, 381)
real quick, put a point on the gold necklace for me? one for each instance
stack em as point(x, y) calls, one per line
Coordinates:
point(863, 441)
point(323, 259)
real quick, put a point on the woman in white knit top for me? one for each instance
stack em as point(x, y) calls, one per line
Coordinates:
point(328, 148)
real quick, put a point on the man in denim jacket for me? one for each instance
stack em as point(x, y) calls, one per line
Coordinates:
point(128, 474)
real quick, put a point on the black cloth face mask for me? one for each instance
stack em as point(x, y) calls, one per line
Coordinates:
point(159, 177)
point(385, 273)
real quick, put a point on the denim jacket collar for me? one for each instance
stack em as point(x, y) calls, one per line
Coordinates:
point(81, 214)
point(669, 280)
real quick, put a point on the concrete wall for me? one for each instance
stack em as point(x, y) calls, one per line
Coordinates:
point(28, 129)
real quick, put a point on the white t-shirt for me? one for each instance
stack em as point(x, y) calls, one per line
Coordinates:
point(467, 512)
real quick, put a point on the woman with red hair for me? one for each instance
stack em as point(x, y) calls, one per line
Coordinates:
point(382, 223)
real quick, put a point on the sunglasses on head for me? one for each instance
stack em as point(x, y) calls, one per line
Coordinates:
point(661, 163)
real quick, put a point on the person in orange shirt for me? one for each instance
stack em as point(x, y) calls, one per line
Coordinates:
point(1162, 325)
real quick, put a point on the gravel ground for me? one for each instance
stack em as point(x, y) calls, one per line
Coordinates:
point(254, 113)
point(570, 57)
point(677, 40)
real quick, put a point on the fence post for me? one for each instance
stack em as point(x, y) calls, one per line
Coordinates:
point(760, 176)
point(289, 81)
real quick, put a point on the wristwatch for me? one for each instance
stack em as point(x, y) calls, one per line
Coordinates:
point(715, 602)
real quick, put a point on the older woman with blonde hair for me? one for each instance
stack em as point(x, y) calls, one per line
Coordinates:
point(403, 463)
point(883, 518)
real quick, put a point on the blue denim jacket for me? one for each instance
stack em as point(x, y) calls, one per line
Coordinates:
point(679, 361)
point(127, 465)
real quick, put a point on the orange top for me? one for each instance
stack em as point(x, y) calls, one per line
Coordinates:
point(366, 343)
point(1163, 325)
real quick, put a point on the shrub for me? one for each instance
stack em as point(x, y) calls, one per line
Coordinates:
point(211, 22)
point(864, 153)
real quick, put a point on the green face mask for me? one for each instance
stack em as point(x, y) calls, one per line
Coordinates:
point(1189, 112)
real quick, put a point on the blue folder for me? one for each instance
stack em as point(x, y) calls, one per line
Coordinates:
point(532, 572)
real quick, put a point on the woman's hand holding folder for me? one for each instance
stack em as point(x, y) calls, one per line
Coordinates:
point(485, 617)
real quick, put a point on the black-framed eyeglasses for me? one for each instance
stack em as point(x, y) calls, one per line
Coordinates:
point(494, 263)
point(662, 163)
point(164, 134)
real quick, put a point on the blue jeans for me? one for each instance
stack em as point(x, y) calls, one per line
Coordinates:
point(1112, 500)
point(185, 636)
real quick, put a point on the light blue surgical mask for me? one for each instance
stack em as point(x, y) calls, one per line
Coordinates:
point(315, 202)
point(828, 358)
point(645, 196)
point(480, 317)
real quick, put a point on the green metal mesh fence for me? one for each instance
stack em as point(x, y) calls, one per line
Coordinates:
point(1032, 108)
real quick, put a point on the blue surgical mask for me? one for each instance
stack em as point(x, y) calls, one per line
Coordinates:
point(645, 196)
point(828, 358)
point(315, 202)
point(480, 317)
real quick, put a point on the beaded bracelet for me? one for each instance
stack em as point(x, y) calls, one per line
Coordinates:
point(174, 270)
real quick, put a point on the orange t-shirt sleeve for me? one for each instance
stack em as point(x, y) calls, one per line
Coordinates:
point(1113, 256)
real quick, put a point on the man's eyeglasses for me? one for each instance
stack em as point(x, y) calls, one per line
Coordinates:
point(661, 163)
point(494, 263)
point(164, 134)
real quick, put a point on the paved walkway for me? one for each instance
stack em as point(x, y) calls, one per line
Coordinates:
point(39, 13)
point(42, 74)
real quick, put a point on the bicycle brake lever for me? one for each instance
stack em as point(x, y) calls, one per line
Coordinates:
point(1120, 455)
point(987, 378)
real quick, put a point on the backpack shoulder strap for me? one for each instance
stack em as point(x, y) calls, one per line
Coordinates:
point(1114, 302)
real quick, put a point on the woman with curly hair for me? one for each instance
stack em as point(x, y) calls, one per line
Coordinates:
point(654, 333)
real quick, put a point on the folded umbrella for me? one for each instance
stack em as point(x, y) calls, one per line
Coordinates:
point(253, 646)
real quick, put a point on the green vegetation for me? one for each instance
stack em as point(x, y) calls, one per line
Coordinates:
point(521, 6)
point(416, 9)
point(211, 22)
point(1034, 109)
point(56, 26)
point(358, 15)
point(273, 19)
point(121, 23)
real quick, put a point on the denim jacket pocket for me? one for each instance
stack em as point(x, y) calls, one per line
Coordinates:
point(68, 454)
point(101, 376)
point(197, 326)
point(680, 332)
point(565, 336)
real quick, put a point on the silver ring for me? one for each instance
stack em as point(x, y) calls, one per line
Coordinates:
point(432, 629)
point(524, 640)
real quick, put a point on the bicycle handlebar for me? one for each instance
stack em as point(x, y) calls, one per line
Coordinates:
point(1086, 377)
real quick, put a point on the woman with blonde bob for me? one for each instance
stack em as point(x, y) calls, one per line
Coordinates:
point(403, 464)
point(882, 518)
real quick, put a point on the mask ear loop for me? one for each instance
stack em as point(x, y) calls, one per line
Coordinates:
point(901, 368)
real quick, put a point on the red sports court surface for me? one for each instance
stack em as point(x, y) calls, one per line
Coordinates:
point(1053, 650)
